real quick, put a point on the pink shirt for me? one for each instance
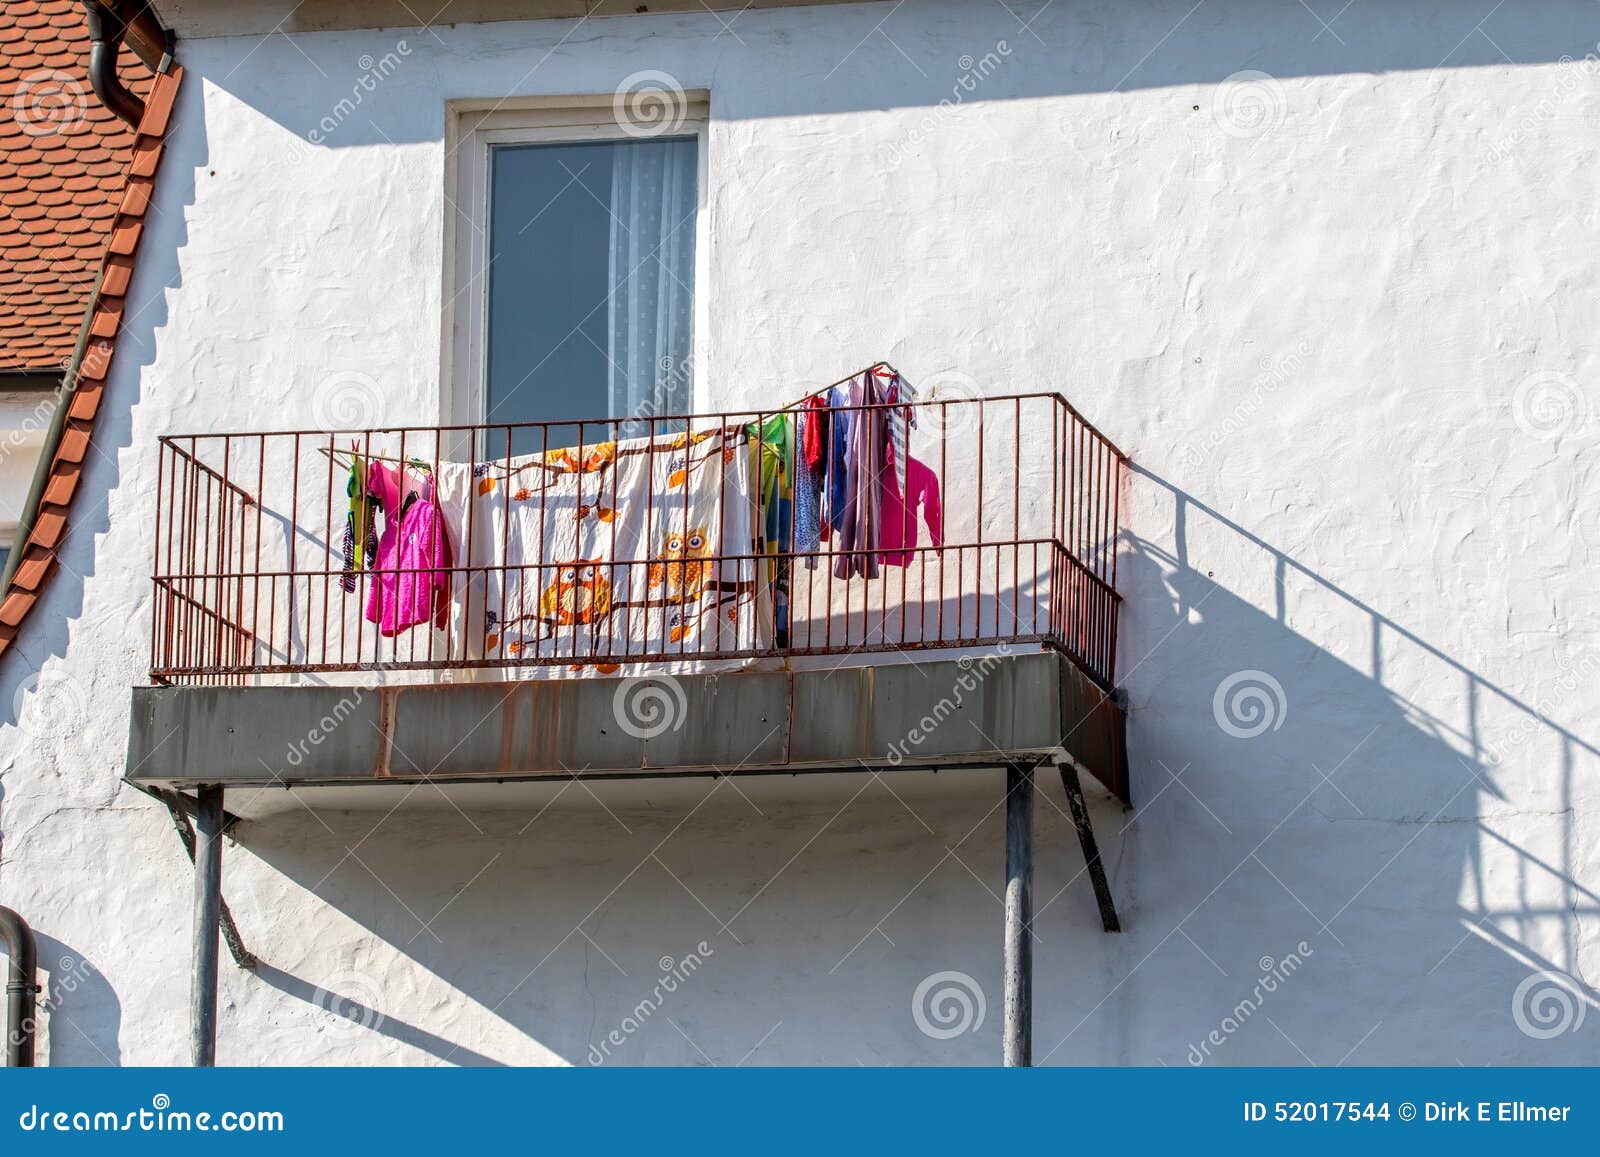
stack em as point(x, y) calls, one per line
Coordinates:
point(411, 577)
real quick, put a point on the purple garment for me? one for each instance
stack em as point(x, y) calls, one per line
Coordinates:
point(410, 581)
point(860, 514)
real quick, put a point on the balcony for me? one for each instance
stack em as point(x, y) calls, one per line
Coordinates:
point(341, 617)
point(561, 598)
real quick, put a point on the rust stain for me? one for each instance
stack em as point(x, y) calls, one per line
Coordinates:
point(388, 709)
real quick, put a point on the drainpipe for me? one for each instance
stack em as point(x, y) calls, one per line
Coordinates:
point(113, 23)
point(23, 955)
point(207, 926)
point(107, 27)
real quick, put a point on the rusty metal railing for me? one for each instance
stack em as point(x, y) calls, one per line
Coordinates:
point(1004, 534)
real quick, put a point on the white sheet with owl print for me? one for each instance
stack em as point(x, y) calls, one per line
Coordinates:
point(636, 556)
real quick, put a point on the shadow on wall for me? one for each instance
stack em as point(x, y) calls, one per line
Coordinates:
point(692, 922)
point(1295, 784)
point(384, 86)
point(50, 748)
point(44, 704)
point(363, 1016)
point(80, 1009)
point(1323, 868)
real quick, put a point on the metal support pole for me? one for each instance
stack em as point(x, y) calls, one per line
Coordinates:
point(1091, 850)
point(207, 918)
point(1019, 916)
point(242, 956)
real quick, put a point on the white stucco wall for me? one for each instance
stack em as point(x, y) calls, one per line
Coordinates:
point(1340, 313)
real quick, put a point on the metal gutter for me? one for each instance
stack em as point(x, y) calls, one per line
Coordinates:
point(111, 24)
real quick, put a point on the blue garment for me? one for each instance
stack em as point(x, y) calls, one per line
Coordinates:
point(807, 499)
point(839, 424)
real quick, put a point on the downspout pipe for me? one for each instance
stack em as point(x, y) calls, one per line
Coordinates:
point(23, 955)
point(107, 28)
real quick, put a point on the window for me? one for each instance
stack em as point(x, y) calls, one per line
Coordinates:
point(574, 244)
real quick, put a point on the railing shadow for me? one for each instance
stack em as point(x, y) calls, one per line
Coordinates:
point(1417, 818)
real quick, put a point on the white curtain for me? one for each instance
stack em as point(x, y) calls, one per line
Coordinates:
point(651, 306)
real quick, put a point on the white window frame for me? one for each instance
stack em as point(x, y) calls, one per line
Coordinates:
point(472, 129)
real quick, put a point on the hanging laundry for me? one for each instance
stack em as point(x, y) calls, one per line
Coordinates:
point(860, 506)
point(900, 530)
point(635, 552)
point(410, 581)
point(808, 482)
point(901, 394)
point(814, 441)
point(835, 469)
point(360, 536)
point(776, 448)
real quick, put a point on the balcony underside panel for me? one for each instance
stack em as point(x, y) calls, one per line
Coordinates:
point(980, 711)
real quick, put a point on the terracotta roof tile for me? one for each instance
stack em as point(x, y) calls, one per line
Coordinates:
point(48, 316)
point(85, 403)
point(125, 234)
point(48, 528)
point(32, 569)
point(118, 272)
point(63, 169)
point(107, 317)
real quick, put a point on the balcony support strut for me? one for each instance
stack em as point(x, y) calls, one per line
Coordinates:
point(1091, 850)
point(207, 921)
point(177, 809)
point(1018, 1027)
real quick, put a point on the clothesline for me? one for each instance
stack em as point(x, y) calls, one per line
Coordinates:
point(342, 457)
point(832, 385)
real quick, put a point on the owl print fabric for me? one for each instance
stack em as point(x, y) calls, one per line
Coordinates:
point(632, 556)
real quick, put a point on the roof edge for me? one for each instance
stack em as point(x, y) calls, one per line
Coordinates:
point(35, 561)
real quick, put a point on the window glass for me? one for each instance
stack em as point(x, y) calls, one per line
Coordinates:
point(590, 302)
